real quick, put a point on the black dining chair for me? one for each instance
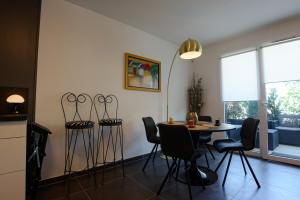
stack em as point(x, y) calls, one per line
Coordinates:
point(176, 142)
point(36, 151)
point(152, 137)
point(247, 143)
point(205, 138)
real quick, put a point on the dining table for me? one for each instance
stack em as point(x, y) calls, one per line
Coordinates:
point(200, 175)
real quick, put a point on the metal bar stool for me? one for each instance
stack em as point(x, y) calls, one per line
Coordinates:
point(110, 128)
point(77, 114)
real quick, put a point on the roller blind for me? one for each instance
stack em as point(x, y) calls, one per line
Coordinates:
point(239, 77)
point(281, 62)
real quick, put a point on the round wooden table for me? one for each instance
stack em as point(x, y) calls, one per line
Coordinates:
point(199, 172)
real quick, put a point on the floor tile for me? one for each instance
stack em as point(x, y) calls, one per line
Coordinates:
point(278, 182)
point(152, 177)
point(57, 190)
point(120, 189)
point(266, 192)
point(76, 196)
point(276, 166)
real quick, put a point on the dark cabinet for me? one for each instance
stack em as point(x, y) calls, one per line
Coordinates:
point(19, 25)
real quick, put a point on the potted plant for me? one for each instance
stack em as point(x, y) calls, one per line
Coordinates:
point(195, 96)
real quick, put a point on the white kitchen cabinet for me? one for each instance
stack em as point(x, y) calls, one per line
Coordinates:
point(13, 160)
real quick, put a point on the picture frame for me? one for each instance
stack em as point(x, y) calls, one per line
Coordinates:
point(142, 73)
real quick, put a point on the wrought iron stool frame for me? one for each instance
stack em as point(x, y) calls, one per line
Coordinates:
point(75, 127)
point(107, 122)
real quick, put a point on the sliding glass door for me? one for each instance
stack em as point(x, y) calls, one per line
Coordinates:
point(281, 94)
point(265, 83)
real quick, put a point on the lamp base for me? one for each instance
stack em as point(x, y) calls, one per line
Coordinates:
point(15, 109)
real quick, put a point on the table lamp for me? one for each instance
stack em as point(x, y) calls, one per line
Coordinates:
point(15, 100)
point(189, 49)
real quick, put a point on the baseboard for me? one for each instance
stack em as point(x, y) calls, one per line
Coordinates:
point(62, 178)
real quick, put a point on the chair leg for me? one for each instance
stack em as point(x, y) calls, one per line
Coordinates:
point(202, 183)
point(251, 170)
point(167, 160)
point(207, 163)
point(166, 177)
point(229, 161)
point(146, 163)
point(211, 153)
point(178, 167)
point(220, 163)
point(155, 151)
point(243, 162)
point(175, 168)
point(187, 180)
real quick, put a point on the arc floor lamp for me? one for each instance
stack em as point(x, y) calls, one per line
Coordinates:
point(189, 49)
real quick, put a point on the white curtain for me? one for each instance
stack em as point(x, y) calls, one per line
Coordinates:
point(240, 77)
point(282, 62)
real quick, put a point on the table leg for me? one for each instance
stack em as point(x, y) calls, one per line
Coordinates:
point(201, 175)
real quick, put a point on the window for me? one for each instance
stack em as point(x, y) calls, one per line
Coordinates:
point(239, 88)
point(239, 77)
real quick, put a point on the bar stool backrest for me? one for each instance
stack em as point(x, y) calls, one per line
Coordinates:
point(106, 107)
point(76, 107)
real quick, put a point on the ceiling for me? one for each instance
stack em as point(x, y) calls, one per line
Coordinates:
point(206, 20)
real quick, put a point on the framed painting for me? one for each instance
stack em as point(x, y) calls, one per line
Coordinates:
point(142, 73)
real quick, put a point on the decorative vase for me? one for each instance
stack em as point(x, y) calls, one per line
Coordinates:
point(192, 116)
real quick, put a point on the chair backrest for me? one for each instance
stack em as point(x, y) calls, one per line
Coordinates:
point(38, 136)
point(248, 133)
point(204, 118)
point(106, 107)
point(76, 107)
point(150, 128)
point(176, 141)
point(36, 144)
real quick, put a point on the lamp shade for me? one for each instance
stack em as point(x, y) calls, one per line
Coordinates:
point(15, 98)
point(190, 49)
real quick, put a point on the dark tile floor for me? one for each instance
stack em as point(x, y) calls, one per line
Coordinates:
point(278, 182)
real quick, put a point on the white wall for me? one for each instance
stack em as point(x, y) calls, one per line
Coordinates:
point(82, 51)
point(208, 66)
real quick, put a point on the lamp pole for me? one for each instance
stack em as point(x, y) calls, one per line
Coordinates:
point(189, 49)
point(168, 84)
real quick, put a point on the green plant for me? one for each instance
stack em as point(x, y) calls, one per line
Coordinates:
point(291, 101)
point(241, 109)
point(195, 96)
point(273, 105)
point(251, 108)
point(234, 110)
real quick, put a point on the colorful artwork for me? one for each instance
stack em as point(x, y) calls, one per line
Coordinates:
point(142, 73)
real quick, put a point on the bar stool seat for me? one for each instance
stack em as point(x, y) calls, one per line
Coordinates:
point(79, 124)
point(110, 122)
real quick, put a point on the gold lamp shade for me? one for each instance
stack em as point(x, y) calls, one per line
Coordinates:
point(190, 49)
